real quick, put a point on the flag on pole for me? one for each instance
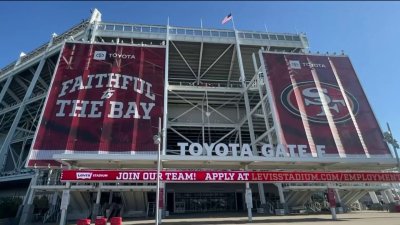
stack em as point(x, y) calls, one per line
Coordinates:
point(227, 18)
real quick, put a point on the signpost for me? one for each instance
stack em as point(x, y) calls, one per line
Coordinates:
point(157, 141)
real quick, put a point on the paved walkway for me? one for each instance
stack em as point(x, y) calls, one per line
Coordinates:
point(354, 218)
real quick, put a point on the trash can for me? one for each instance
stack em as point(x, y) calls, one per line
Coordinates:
point(83, 222)
point(116, 221)
point(101, 221)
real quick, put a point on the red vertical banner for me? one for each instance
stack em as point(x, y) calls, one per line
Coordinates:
point(103, 99)
point(161, 199)
point(319, 101)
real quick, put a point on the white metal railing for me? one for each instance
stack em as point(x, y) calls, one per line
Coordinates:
point(206, 83)
point(156, 29)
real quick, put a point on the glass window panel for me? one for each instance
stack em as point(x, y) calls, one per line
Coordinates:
point(155, 30)
point(119, 27)
point(163, 30)
point(109, 27)
point(248, 35)
point(273, 37)
point(241, 35)
point(137, 29)
point(127, 28)
point(264, 36)
point(256, 36)
point(206, 33)
point(231, 34)
point(215, 33)
point(172, 31)
point(197, 32)
point(189, 32)
point(281, 37)
point(145, 29)
point(181, 31)
point(224, 34)
point(289, 38)
point(296, 38)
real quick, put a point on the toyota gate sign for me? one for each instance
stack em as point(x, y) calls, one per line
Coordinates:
point(103, 99)
point(318, 100)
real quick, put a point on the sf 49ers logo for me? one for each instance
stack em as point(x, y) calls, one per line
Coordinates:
point(313, 101)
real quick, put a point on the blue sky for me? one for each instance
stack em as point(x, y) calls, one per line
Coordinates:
point(368, 32)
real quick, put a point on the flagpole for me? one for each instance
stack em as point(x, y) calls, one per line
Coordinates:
point(233, 23)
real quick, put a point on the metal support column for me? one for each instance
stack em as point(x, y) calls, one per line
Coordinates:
point(27, 210)
point(385, 199)
point(249, 200)
point(110, 197)
point(96, 207)
point(263, 106)
point(389, 194)
point(338, 199)
point(262, 196)
point(282, 200)
point(94, 21)
point(21, 109)
point(64, 204)
point(5, 87)
point(245, 94)
point(166, 84)
point(373, 197)
point(2, 93)
point(264, 109)
point(277, 126)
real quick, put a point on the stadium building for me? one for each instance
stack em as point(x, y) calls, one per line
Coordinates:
point(244, 122)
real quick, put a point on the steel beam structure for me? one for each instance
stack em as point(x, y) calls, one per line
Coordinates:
point(6, 143)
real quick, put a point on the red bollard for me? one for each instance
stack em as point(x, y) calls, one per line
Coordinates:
point(83, 222)
point(101, 221)
point(116, 221)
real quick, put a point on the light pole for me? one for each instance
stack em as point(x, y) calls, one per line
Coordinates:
point(388, 137)
point(157, 141)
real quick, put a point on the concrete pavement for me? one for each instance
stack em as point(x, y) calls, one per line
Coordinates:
point(354, 218)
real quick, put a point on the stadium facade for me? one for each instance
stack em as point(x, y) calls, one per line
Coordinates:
point(210, 101)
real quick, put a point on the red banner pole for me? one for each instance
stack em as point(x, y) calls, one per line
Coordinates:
point(332, 203)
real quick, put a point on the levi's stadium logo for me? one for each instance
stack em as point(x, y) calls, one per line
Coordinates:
point(313, 105)
point(83, 175)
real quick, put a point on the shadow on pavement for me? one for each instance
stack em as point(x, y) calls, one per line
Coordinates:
point(244, 221)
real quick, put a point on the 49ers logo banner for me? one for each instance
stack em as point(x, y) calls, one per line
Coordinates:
point(319, 101)
point(103, 99)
